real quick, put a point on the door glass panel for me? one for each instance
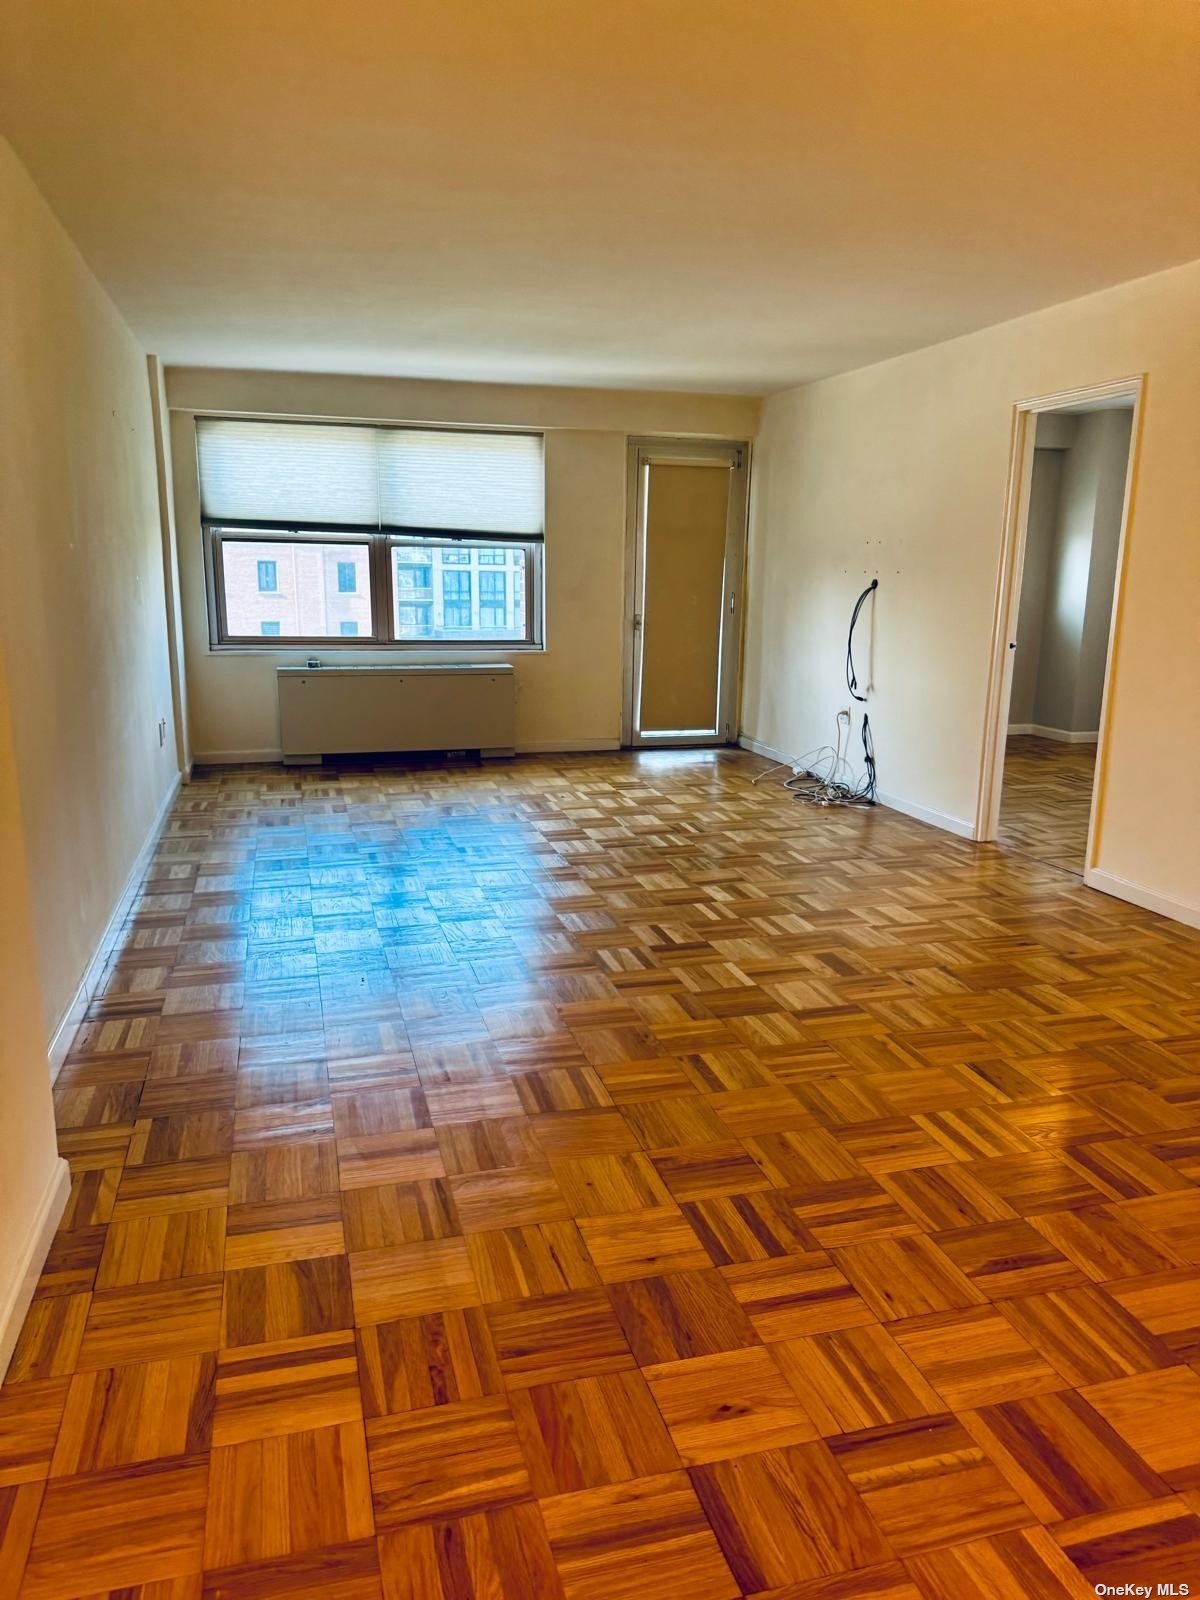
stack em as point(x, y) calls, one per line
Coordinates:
point(685, 518)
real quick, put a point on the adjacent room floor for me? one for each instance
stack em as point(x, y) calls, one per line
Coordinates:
point(1047, 799)
point(593, 1176)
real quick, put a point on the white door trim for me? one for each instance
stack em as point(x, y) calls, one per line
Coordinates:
point(1008, 598)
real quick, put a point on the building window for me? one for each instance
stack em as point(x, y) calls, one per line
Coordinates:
point(414, 621)
point(456, 598)
point(493, 600)
point(401, 519)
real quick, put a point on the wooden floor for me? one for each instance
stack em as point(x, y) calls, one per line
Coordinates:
point(599, 1177)
point(1046, 800)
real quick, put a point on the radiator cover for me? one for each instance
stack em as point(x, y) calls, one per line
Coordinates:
point(361, 710)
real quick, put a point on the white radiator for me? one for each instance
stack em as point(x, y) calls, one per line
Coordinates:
point(359, 710)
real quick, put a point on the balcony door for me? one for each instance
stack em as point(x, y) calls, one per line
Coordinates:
point(683, 599)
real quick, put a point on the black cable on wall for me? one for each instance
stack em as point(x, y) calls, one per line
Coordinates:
point(851, 679)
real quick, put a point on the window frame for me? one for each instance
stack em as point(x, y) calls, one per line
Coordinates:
point(379, 545)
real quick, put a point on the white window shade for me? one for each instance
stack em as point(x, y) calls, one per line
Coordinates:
point(337, 476)
point(287, 472)
point(471, 482)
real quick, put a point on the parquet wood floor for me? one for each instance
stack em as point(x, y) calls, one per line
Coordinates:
point(578, 1178)
point(1046, 799)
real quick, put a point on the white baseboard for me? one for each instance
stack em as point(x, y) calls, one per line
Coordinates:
point(1062, 735)
point(1136, 894)
point(936, 819)
point(761, 749)
point(64, 1032)
point(16, 1298)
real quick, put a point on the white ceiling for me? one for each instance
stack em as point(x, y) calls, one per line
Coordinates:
point(702, 194)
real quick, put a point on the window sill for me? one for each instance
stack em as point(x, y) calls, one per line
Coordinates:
point(370, 647)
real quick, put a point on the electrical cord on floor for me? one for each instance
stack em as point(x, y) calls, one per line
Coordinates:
point(797, 763)
point(837, 784)
point(823, 777)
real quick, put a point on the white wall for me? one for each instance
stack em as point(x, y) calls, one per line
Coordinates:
point(1035, 578)
point(84, 678)
point(164, 480)
point(32, 1191)
point(1112, 430)
point(569, 695)
point(1076, 498)
point(1087, 532)
point(82, 608)
point(900, 470)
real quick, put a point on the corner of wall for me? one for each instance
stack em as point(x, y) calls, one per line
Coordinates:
point(17, 1295)
point(161, 419)
point(72, 1017)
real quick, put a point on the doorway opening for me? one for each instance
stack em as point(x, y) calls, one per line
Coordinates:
point(686, 552)
point(1058, 602)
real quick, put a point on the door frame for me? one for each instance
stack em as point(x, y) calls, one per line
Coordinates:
point(1008, 598)
point(641, 454)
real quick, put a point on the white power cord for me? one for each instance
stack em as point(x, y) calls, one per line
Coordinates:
point(824, 777)
point(798, 764)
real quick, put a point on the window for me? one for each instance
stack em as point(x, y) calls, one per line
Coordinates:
point(310, 601)
point(503, 613)
point(371, 533)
